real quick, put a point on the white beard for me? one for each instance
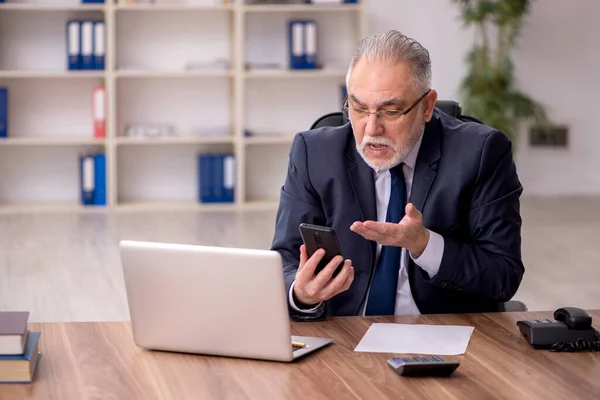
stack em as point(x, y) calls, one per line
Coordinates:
point(399, 155)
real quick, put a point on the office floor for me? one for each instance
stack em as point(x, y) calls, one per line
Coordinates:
point(65, 267)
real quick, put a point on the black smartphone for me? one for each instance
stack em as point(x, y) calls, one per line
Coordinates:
point(321, 237)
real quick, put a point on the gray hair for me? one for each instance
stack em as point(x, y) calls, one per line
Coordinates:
point(392, 47)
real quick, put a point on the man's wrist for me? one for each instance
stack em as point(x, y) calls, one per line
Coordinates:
point(297, 305)
point(300, 304)
point(431, 259)
point(421, 244)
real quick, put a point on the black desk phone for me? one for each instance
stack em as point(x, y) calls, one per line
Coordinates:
point(570, 330)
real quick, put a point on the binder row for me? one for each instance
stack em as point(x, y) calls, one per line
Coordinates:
point(302, 36)
point(86, 44)
point(92, 179)
point(216, 178)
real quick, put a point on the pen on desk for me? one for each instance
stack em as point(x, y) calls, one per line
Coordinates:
point(298, 344)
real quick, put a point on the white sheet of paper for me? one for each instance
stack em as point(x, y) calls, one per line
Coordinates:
point(443, 340)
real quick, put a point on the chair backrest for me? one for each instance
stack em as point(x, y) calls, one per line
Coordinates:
point(450, 107)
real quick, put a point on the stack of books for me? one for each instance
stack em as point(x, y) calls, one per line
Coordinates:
point(19, 348)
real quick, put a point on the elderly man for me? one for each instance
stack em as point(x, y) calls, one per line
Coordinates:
point(425, 206)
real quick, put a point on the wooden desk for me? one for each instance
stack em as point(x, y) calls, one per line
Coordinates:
point(99, 361)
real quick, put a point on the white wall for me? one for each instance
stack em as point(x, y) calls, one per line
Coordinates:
point(557, 62)
point(564, 74)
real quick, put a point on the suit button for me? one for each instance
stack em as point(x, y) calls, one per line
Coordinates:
point(444, 284)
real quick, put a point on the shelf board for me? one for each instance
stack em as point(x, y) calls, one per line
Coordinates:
point(174, 73)
point(282, 139)
point(300, 7)
point(51, 141)
point(299, 73)
point(51, 7)
point(50, 74)
point(181, 6)
point(175, 140)
point(182, 205)
point(59, 207)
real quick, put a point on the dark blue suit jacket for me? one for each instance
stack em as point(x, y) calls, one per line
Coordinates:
point(465, 184)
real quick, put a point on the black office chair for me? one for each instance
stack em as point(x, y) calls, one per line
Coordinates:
point(514, 305)
point(448, 106)
point(451, 108)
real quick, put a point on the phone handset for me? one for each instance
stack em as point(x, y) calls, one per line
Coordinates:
point(574, 318)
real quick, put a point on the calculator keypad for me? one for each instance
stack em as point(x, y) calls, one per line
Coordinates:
point(431, 359)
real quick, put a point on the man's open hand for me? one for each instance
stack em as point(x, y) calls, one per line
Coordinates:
point(409, 233)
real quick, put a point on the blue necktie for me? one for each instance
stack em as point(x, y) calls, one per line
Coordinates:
point(382, 296)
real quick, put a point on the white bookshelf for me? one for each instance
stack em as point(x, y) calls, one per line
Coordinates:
point(146, 81)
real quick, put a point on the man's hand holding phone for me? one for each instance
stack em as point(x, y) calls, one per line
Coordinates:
point(311, 289)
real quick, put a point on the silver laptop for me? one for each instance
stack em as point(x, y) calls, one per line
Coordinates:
point(210, 300)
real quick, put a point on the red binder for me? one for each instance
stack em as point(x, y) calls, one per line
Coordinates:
point(99, 112)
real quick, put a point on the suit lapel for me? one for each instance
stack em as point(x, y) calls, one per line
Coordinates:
point(427, 162)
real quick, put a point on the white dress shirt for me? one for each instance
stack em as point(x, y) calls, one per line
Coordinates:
point(429, 261)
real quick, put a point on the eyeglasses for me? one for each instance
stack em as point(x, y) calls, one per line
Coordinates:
point(359, 114)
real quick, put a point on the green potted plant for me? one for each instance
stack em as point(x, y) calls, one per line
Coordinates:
point(488, 90)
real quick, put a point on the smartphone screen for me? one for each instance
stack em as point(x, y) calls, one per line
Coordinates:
point(321, 237)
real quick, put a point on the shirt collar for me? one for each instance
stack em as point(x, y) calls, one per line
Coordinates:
point(409, 161)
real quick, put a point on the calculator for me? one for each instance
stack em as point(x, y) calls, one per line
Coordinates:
point(423, 366)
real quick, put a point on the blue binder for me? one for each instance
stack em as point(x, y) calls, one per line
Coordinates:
point(99, 49)
point(229, 175)
point(218, 189)
point(87, 44)
point(73, 44)
point(87, 179)
point(205, 192)
point(100, 179)
point(310, 44)
point(296, 44)
point(3, 112)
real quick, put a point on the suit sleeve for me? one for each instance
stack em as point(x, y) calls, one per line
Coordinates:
point(489, 263)
point(299, 202)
